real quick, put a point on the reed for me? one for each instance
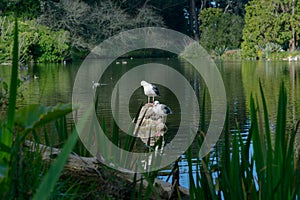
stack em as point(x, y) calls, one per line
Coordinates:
point(262, 166)
point(6, 137)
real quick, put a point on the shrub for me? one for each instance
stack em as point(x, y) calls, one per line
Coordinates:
point(220, 30)
point(234, 54)
point(37, 42)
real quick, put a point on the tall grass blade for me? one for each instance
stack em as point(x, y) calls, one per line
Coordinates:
point(151, 190)
point(7, 136)
point(280, 143)
point(194, 194)
point(54, 172)
point(269, 149)
point(280, 125)
point(50, 179)
point(266, 121)
point(258, 154)
point(208, 181)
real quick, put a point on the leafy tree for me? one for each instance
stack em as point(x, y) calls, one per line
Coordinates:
point(36, 42)
point(270, 21)
point(234, 8)
point(220, 30)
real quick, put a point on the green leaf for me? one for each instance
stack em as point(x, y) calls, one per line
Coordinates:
point(7, 136)
point(4, 148)
point(5, 86)
point(35, 115)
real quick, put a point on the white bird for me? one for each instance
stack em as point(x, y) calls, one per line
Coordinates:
point(150, 90)
point(161, 109)
point(95, 84)
point(35, 77)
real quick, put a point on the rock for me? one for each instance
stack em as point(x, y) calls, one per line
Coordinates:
point(150, 125)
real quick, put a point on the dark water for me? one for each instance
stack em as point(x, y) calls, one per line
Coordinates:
point(241, 79)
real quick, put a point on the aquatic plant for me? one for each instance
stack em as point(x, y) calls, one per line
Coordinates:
point(262, 166)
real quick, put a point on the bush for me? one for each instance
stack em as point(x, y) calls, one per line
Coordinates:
point(37, 42)
point(220, 30)
point(284, 55)
point(234, 54)
point(270, 48)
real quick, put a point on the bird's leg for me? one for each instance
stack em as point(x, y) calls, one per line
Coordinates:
point(148, 99)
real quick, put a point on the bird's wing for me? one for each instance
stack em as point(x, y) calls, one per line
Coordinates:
point(167, 110)
point(155, 89)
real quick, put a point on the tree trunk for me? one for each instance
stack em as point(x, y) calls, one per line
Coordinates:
point(293, 43)
point(194, 26)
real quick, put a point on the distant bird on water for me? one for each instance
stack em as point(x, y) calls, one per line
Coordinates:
point(95, 84)
point(161, 109)
point(150, 90)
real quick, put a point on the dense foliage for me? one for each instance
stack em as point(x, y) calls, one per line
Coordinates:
point(271, 26)
point(270, 21)
point(36, 42)
point(60, 29)
point(220, 30)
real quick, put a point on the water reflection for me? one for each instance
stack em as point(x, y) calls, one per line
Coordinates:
point(241, 79)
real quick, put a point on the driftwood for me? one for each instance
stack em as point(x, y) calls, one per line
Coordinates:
point(111, 181)
point(119, 183)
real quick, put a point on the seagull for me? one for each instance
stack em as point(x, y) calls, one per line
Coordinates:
point(35, 77)
point(150, 90)
point(161, 109)
point(95, 84)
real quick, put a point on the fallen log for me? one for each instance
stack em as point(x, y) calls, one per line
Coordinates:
point(111, 181)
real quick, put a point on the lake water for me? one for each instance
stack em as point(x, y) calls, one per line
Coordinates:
point(241, 79)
